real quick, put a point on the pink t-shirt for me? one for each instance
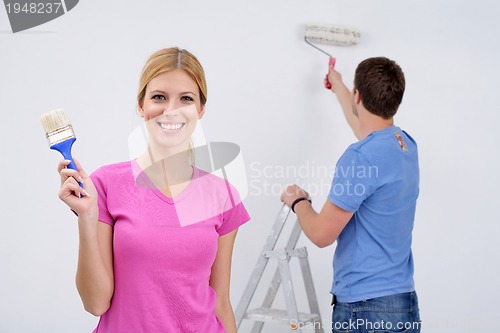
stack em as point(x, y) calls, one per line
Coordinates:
point(163, 249)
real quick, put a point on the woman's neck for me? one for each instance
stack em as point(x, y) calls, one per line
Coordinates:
point(170, 170)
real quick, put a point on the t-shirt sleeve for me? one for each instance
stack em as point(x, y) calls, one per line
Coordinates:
point(235, 213)
point(99, 179)
point(355, 179)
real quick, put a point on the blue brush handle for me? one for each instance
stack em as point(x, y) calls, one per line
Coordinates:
point(64, 148)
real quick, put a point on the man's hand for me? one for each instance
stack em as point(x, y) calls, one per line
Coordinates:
point(292, 193)
point(335, 79)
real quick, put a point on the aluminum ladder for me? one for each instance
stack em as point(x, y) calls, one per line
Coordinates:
point(290, 317)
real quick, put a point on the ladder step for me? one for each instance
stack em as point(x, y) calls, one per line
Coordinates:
point(281, 316)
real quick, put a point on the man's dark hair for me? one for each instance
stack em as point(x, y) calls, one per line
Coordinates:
point(381, 85)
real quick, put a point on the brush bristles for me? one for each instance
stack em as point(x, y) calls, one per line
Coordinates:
point(332, 35)
point(57, 126)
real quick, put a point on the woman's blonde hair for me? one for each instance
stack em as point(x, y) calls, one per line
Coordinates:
point(168, 59)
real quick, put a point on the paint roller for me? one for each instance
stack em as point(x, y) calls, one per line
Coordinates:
point(336, 35)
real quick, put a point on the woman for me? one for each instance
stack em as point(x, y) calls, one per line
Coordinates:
point(156, 233)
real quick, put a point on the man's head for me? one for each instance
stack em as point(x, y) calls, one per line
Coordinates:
point(381, 85)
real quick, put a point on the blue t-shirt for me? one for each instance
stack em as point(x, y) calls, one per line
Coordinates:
point(377, 178)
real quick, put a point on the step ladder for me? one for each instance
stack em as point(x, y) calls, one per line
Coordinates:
point(290, 317)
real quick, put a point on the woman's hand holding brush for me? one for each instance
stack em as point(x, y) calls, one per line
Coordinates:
point(82, 201)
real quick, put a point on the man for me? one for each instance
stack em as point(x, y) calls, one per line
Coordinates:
point(370, 208)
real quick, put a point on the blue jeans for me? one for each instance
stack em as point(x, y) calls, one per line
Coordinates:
point(389, 314)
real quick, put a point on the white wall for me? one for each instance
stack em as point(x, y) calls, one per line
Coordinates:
point(265, 93)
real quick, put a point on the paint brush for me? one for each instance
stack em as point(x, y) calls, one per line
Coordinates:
point(60, 134)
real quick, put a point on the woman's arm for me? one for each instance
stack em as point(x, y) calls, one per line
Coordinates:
point(220, 281)
point(94, 277)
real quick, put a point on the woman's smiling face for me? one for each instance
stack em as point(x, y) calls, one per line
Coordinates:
point(171, 109)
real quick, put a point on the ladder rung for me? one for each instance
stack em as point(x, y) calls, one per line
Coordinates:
point(281, 316)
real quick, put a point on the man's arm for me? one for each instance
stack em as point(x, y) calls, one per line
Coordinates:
point(344, 97)
point(323, 228)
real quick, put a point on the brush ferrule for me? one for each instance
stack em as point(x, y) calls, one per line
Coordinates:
point(60, 135)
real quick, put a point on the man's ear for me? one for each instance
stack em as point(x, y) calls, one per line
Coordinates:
point(357, 96)
point(202, 112)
